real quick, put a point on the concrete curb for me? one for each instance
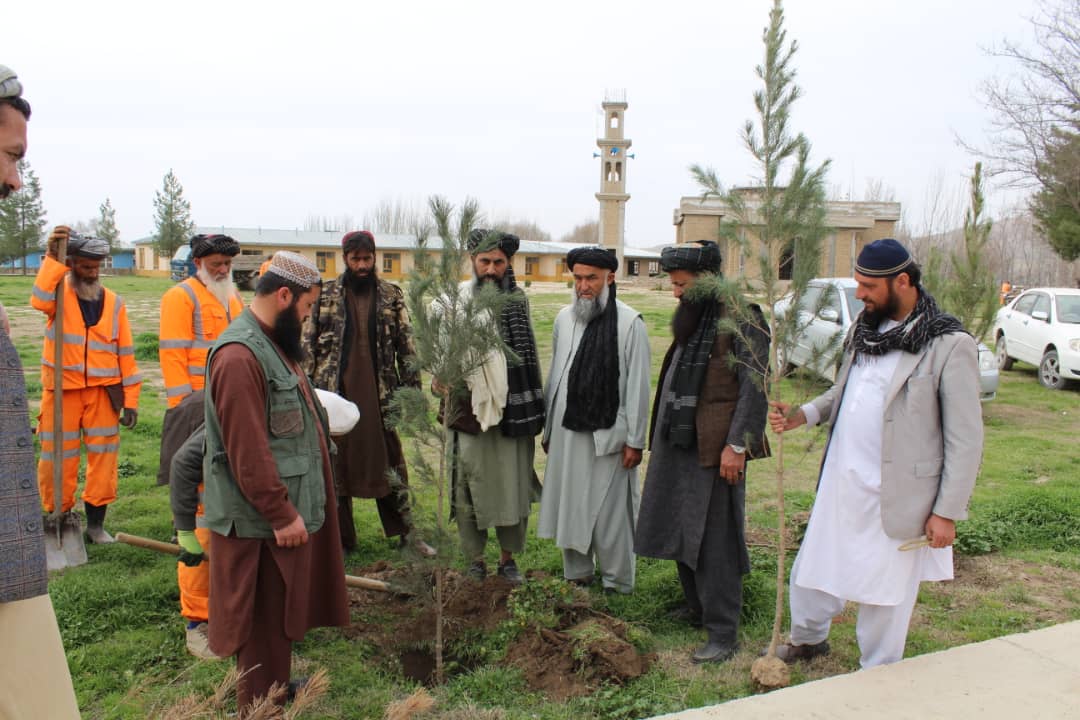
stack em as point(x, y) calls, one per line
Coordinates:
point(1027, 676)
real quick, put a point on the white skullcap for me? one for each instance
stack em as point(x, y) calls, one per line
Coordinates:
point(295, 268)
point(343, 414)
point(10, 87)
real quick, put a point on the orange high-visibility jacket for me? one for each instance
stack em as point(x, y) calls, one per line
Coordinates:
point(191, 320)
point(103, 354)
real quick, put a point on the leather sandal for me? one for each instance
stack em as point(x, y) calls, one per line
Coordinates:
point(791, 653)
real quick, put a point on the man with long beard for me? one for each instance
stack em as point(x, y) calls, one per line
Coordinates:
point(100, 381)
point(904, 447)
point(708, 419)
point(194, 313)
point(496, 419)
point(598, 395)
point(359, 343)
point(269, 487)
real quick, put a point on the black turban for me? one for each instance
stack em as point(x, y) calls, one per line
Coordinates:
point(87, 246)
point(481, 240)
point(696, 257)
point(203, 245)
point(358, 240)
point(594, 256)
point(883, 258)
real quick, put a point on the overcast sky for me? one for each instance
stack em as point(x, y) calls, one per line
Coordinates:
point(269, 112)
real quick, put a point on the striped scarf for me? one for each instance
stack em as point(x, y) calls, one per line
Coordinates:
point(925, 323)
point(524, 412)
point(682, 396)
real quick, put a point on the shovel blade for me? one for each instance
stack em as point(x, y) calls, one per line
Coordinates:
point(69, 550)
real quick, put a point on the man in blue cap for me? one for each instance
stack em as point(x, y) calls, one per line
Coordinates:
point(904, 447)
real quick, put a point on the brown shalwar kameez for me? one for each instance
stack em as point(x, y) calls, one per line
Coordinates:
point(368, 451)
point(266, 597)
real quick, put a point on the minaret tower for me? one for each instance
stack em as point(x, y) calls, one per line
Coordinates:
point(613, 167)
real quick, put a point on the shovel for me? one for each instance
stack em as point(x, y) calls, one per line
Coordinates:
point(64, 545)
point(171, 549)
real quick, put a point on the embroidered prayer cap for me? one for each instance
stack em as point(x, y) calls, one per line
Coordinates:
point(883, 258)
point(295, 268)
point(481, 240)
point(594, 256)
point(87, 246)
point(696, 257)
point(203, 245)
point(357, 240)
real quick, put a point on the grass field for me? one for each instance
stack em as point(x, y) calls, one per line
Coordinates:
point(1019, 568)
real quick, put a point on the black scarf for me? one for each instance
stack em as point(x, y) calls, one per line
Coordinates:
point(524, 412)
point(592, 390)
point(925, 323)
point(682, 397)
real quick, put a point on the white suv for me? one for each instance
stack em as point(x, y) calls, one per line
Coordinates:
point(1041, 327)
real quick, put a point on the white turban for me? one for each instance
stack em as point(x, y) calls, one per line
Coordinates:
point(343, 414)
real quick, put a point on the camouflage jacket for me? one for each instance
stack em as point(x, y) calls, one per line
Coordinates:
point(327, 332)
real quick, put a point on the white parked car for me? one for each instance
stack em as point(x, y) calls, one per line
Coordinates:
point(818, 343)
point(1041, 327)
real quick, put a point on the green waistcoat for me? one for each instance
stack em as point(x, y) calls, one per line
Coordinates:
point(294, 443)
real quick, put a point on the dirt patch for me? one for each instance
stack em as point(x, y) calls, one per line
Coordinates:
point(584, 650)
point(577, 659)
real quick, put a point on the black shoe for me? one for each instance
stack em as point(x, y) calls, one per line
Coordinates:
point(295, 687)
point(790, 653)
point(583, 581)
point(509, 570)
point(713, 652)
point(684, 614)
point(477, 571)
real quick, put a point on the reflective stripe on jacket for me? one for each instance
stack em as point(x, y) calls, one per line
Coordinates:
point(102, 354)
point(192, 318)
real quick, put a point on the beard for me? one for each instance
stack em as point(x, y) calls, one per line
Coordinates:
point(5, 190)
point(287, 332)
point(883, 312)
point(502, 283)
point(87, 290)
point(222, 289)
point(686, 320)
point(358, 283)
point(586, 309)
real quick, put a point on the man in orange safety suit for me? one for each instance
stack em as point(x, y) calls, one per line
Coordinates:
point(101, 382)
point(193, 314)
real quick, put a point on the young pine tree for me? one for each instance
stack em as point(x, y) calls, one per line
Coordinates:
point(22, 219)
point(173, 225)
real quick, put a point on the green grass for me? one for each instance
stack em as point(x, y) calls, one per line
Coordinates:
point(124, 637)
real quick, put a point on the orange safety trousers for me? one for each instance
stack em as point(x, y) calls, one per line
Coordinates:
point(87, 413)
point(194, 582)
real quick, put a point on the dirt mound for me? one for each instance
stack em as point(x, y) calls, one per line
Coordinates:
point(575, 661)
point(584, 650)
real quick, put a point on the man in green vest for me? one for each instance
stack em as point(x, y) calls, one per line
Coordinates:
point(277, 567)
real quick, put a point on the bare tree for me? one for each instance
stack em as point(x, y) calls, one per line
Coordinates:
point(325, 223)
point(587, 233)
point(524, 229)
point(398, 216)
point(1040, 97)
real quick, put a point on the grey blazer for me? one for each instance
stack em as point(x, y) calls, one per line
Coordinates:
point(932, 440)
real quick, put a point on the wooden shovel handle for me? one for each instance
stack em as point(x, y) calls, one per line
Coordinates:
point(170, 549)
point(58, 388)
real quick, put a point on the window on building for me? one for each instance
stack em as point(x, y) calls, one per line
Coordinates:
point(632, 267)
point(563, 270)
point(388, 260)
point(654, 267)
point(532, 265)
point(321, 258)
point(618, 172)
point(787, 262)
point(251, 252)
point(613, 122)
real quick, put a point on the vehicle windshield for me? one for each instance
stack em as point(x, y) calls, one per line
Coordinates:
point(182, 253)
point(854, 304)
point(1068, 309)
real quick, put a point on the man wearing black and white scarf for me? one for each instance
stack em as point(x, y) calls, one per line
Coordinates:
point(904, 447)
point(598, 400)
point(708, 420)
point(495, 434)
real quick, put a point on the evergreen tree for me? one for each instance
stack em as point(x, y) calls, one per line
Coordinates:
point(22, 219)
point(172, 217)
point(786, 213)
point(968, 291)
point(1056, 206)
point(106, 224)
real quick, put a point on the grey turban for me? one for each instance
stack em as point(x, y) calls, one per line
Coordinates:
point(10, 87)
point(696, 257)
point(481, 240)
point(87, 246)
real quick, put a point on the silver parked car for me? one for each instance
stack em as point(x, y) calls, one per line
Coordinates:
point(826, 311)
point(1041, 327)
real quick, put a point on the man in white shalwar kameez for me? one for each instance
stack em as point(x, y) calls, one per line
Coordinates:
point(598, 396)
point(904, 448)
